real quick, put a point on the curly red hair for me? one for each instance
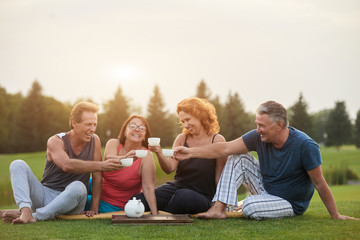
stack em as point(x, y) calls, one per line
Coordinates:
point(201, 109)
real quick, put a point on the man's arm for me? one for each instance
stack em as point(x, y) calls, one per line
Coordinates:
point(325, 194)
point(56, 152)
point(211, 151)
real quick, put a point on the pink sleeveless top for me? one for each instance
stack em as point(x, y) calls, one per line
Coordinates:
point(120, 185)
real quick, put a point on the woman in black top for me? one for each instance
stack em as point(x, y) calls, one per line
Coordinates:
point(195, 180)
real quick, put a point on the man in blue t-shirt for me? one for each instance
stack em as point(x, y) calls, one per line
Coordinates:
point(282, 182)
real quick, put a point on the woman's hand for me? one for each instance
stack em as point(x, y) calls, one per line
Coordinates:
point(89, 213)
point(155, 149)
point(131, 154)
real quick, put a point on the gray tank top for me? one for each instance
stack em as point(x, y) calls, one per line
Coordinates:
point(56, 178)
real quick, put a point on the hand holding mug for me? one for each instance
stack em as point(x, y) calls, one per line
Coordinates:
point(131, 154)
point(155, 149)
point(182, 153)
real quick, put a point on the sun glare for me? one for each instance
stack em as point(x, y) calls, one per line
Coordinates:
point(122, 73)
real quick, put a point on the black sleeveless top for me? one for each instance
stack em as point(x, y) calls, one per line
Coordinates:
point(197, 174)
point(55, 178)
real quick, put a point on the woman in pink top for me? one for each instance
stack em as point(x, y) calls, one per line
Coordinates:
point(120, 185)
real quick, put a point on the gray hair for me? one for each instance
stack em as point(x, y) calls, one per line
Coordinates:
point(276, 112)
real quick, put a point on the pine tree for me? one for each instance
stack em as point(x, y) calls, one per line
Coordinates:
point(32, 120)
point(319, 121)
point(4, 130)
point(338, 126)
point(116, 111)
point(236, 121)
point(219, 112)
point(57, 117)
point(357, 130)
point(161, 123)
point(203, 91)
point(299, 117)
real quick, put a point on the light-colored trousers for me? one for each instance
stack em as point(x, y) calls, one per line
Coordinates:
point(45, 203)
point(245, 169)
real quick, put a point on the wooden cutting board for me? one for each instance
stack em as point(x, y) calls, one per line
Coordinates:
point(175, 219)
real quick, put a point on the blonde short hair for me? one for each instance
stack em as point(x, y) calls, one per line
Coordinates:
point(78, 110)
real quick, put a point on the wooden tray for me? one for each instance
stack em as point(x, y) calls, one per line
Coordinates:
point(175, 219)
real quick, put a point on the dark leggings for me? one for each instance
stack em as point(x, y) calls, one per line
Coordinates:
point(172, 199)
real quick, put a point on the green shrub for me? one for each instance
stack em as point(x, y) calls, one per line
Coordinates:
point(339, 175)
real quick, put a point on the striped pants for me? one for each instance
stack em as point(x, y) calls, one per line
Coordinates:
point(245, 169)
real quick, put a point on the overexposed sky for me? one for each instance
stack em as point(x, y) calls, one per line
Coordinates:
point(269, 49)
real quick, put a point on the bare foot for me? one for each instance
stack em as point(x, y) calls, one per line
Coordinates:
point(23, 218)
point(9, 210)
point(8, 217)
point(215, 212)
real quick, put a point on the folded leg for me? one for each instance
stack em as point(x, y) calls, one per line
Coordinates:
point(266, 206)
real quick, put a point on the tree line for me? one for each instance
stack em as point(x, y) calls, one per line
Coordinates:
point(26, 122)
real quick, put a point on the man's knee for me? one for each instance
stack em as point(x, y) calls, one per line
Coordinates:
point(77, 189)
point(248, 208)
point(17, 164)
point(251, 208)
point(258, 208)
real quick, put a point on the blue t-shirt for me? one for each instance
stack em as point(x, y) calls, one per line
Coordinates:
point(284, 170)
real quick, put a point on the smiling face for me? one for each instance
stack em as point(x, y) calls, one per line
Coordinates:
point(266, 128)
point(86, 128)
point(135, 130)
point(189, 122)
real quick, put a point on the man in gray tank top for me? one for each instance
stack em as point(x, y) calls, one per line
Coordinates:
point(70, 157)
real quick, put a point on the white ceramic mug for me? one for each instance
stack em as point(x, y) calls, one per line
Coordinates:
point(141, 153)
point(168, 152)
point(154, 141)
point(127, 162)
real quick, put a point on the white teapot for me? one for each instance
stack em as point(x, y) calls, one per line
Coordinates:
point(134, 208)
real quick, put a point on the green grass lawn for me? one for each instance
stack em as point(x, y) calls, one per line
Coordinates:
point(314, 224)
point(347, 156)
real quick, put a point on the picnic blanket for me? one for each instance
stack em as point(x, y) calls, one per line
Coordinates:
point(231, 214)
point(102, 215)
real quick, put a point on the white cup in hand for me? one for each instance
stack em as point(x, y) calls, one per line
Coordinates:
point(127, 162)
point(141, 153)
point(168, 152)
point(154, 141)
